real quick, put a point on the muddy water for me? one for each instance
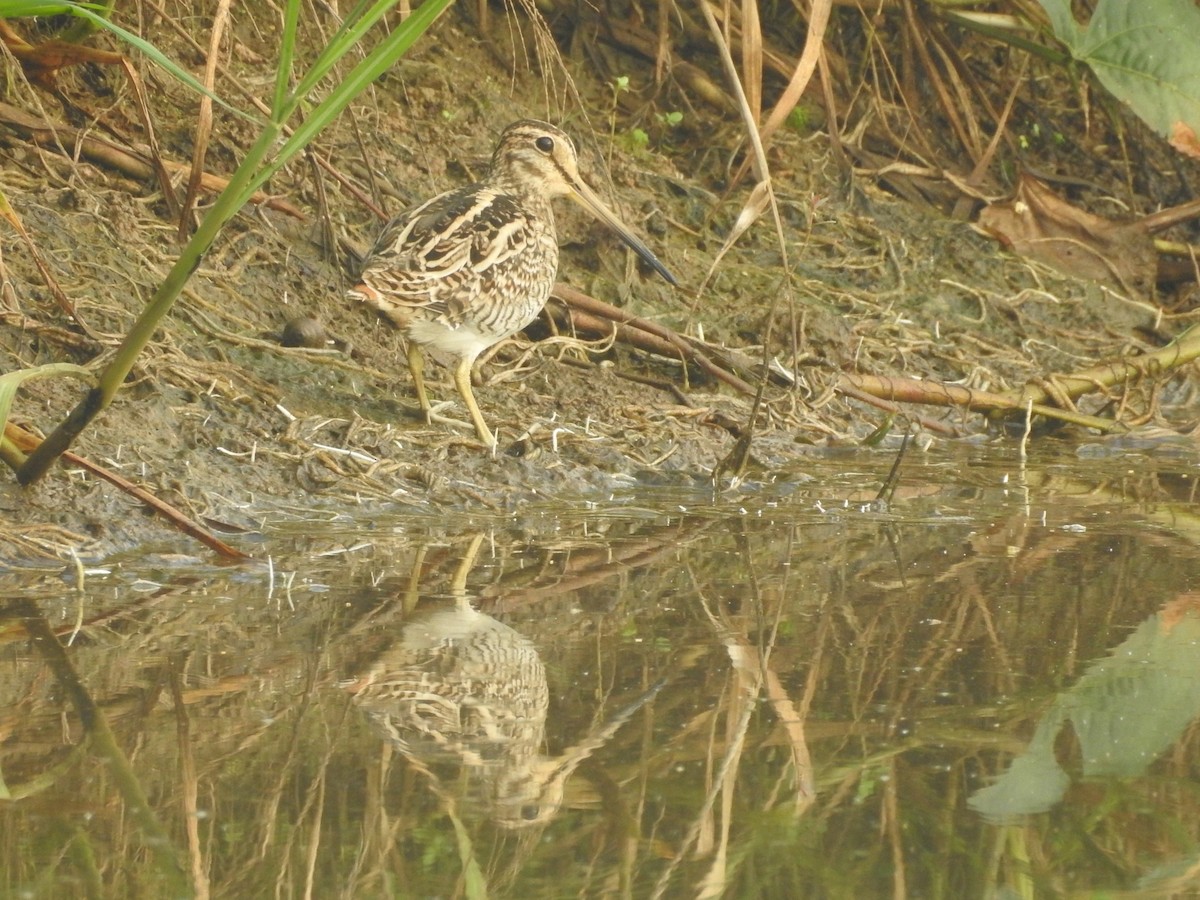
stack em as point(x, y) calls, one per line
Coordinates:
point(987, 687)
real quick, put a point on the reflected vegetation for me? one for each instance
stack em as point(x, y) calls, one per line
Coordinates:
point(1124, 712)
point(988, 689)
point(459, 687)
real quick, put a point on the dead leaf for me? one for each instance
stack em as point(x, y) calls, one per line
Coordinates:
point(1183, 138)
point(756, 204)
point(41, 62)
point(1038, 224)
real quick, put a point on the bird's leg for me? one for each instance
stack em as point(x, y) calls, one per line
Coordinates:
point(416, 365)
point(462, 379)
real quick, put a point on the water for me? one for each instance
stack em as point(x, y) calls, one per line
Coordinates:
point(987, 688)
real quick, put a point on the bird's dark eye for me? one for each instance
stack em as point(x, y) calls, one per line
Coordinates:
point(545, 144)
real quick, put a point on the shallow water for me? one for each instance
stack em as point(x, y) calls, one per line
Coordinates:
point(987, 687)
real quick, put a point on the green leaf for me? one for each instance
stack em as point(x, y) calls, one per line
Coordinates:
point(1146, 53)
point(16, 9)
point(1062, 23)
point(474, 881)
point(13, 380)
point(287, 53)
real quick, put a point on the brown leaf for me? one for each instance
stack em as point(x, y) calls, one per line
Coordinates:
point(41, 62)
point(1183, 138)
point(1040, 225)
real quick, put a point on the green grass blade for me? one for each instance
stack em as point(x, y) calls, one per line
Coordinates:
point(20, 9)
point(13, 380)
point(260, 162)
point(382, 58)
point(287, 53)
point(349, 35)
point(162, 60)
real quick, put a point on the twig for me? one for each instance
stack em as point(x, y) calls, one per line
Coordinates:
point(936, 393)
point(204, 120)
point(48, 134)
point(685, 349)
point(24, 441)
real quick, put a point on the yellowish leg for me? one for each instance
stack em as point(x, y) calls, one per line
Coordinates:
point(416, 365)
point(462, 379)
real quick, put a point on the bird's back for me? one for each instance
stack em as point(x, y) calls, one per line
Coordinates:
point(473, 257)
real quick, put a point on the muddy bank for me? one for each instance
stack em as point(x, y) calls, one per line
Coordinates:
point(235, 429)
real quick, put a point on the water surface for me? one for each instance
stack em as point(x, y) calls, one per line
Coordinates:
point(986, 687)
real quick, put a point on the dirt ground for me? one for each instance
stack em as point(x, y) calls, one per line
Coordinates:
point(235, 429)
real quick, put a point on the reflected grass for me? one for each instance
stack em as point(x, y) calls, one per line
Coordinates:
point(917, 662)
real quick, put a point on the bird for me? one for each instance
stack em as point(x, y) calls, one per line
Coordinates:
point(471, 267)
point(464, 698)
point(461, 694)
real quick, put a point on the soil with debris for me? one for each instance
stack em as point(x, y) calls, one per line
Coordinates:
point(234, 428)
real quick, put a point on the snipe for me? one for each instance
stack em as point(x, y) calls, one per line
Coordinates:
point(464, 699)
point(473, 266)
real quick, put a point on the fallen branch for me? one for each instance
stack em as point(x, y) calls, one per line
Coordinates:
point(602, 319)
point(129, 162)
point(937, 393)
point(879, 401)
point(1033, 397)
point(1181, 351)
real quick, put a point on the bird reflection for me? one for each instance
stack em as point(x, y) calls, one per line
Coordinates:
point(460, 693)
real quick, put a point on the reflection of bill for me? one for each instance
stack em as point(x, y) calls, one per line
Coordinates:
point(464, 698)
point(1125, 711)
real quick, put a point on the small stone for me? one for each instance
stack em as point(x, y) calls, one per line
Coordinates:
point(303, 332)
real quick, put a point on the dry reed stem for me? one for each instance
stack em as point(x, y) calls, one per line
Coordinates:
point(204, 120)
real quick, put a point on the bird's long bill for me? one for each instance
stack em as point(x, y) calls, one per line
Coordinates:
point(588, 199)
